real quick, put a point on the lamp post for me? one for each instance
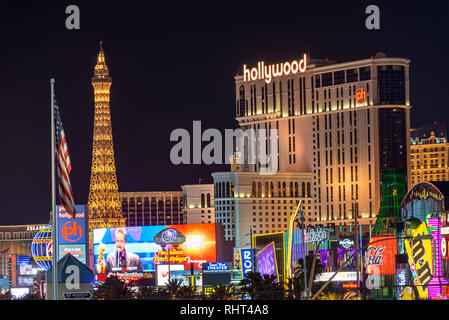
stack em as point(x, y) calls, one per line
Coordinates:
point(304, 248)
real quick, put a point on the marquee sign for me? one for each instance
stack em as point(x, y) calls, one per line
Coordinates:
point(263, 72)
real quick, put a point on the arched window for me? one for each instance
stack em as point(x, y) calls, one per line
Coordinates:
point(284, 189)
point(303, 194)
point(259, 189)
point(308, 190)
point(242, 109)
point(254, 190)
point(279, 189)
point(202, 201)
point(296, 189)
point(227, 189)
point(271, 189)
point(266, 189)
point(291, 189)
point(208, 200)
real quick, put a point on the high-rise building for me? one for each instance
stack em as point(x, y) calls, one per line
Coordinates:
point(429, 154)
point(152, 208)
point(247, 203)
point(198, 203)
point(104, 206)
point(343, 123)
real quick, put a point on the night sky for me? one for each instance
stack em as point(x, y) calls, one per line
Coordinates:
point(169, 66)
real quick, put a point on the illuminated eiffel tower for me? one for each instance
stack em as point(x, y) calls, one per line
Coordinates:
point(104, 203)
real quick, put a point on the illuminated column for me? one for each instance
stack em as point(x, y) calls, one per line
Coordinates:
point(104, 205)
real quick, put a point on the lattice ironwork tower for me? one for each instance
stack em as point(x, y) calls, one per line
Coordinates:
point(104, 202)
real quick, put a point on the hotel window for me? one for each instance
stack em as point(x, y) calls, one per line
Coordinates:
point(365, 73)
point(326, 79)
point(352, 75)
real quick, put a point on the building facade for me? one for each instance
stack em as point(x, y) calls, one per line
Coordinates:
point(343, 123)
point(16, 240)
point(152, 208)
point(429, 155)
point(247, 203)
point(198, 202)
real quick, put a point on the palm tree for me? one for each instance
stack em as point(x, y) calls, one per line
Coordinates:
point(299, 270)
point(222, 292)
point(113, 288)
point(260, 287)
point(173, 287)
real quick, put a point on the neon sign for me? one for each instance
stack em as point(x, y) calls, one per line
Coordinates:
point(247, 261)
point(360, 95)
point(274, 70)
point(315, 235)
point(215, 266)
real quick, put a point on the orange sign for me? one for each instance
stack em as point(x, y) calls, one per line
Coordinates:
point(360, 95)
point(380, 256)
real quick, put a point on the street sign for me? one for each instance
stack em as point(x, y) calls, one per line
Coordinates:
point(77, 295)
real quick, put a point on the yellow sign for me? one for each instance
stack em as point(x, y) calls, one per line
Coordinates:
point(419, 253)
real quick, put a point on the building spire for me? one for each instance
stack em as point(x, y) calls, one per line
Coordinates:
point(101, 69)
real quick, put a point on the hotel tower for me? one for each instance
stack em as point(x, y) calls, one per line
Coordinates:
point(340, 126)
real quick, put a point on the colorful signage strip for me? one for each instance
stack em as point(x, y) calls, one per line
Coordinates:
point(246, 261)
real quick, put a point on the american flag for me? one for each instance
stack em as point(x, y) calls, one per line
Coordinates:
point(63, 166)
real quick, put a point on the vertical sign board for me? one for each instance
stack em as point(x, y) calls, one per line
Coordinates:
point(420, 259)
point(266, 262)
point(246, 261)
point(72, 233)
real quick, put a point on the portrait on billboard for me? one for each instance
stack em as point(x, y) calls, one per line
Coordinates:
point(121, 258)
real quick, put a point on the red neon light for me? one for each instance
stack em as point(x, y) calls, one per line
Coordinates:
point(360, 95)
point(349, 285)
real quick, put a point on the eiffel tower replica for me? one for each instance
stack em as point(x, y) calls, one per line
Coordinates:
point(104, 207)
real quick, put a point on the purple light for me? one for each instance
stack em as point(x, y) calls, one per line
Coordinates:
point(435, 285)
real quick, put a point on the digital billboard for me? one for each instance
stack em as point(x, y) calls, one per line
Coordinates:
point(380, 256)
point(137, 251)
point(266, 261)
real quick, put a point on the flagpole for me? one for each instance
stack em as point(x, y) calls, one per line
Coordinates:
point(53, 192)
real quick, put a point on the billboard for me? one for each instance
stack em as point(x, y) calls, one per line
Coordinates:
point(72, 233)
point(164, 273)
point(139, 250)
point(380, 256)
point(266, 261)
point(420, 259)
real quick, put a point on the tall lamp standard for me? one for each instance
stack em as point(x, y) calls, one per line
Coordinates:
point(304, 248)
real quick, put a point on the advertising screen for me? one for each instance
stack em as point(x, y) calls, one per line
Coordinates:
point(266, 261)
point(139, 250)
point(76, 250)
point(380, 256)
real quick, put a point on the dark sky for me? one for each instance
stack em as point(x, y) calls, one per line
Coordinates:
point(172, 65)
